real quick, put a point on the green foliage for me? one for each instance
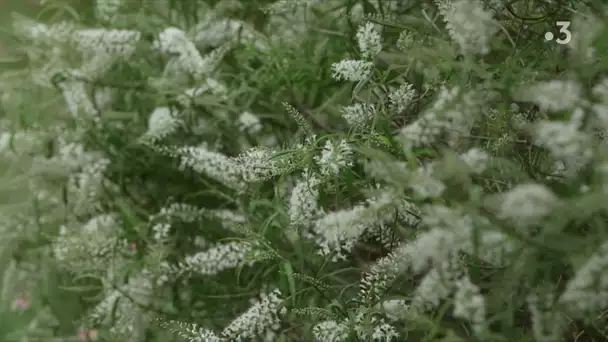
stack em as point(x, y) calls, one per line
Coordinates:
point(218, 178)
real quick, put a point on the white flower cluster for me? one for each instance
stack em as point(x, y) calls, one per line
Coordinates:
point(469, 24)
point(369, 42)
point(88, 246)
point(437, 284)
point(249, 123)
point(330, 331)
point(420, 181)
point(352, 70)
point(214, 31)
point(19, 142)
point(547, 322)
point(337, 232)
point(40, 33)
point(253, 165)
point(382, 274)
point(401, 97)
point(77, 99)
point(303, 207)
point(161, 123)
point(85, 187)
point(587, 291)
point(373, 328)
point(188, 213)
point(527, 204)
point(262, 319)
point(192, 332)
point(219, 258)
point(104, 307)
point(106, 10)
point(565, 141)
point(451, 232)
point(476, 159)
point(212, 164)
point(117, 43)
point(161, 231)
point(552, 95)
point(405, 41)
point(469, 304)
point(424, 185)
point(444, 117)
point(121, 305)
point(101, 48)
point(257, 164)
point(358, 114)
point(334, 158)
point(188, 59)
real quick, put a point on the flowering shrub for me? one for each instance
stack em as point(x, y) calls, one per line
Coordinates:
point(306, 171)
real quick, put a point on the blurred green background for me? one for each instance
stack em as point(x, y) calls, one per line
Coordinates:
point(26, 7)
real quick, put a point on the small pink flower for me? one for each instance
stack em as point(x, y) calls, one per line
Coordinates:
point(132, 246)
point(22, 303)
point(85, 334)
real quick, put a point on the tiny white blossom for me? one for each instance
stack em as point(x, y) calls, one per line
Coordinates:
point(469, 304)
point(334, 158)
point(262, 319)
point(256, 164)
point(552, 95)
point(424, 185)
point(440, 118)
point(402, 97)
point(587, 291)
point(119, 43)
point(382, 274)
point(405, 40)
point(358, 114)
point(174, 41)
point(469, 24)
point(526, 203)
point(380, 330)
point(432, 289)
point(160, 124)
point(88, 246)
point(369, 40)
point(249, 122)
point(77, 99)
point(330, 331)
point(565, 140)
point(213, 164)
point(476, 159)
point(161, 231)
point(303, 207)
point(352, 70)
point(219, 258)
point(337, 232)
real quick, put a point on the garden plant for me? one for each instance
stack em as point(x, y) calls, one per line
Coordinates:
point(304, 170)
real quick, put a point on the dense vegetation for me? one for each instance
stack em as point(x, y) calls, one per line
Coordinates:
point(304, 170)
